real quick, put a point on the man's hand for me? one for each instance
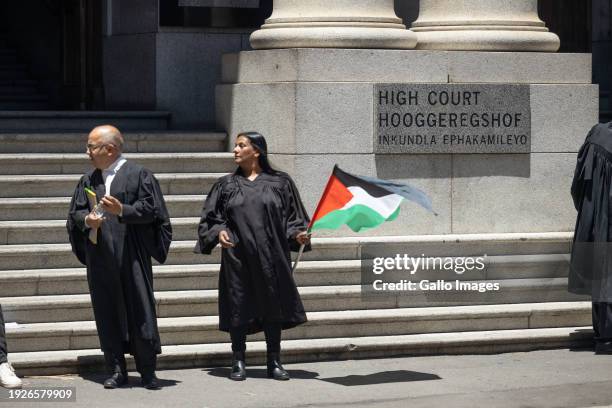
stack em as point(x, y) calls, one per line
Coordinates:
point(224, 239)
point(303, 238)
point(112, 205)
point(93, 221)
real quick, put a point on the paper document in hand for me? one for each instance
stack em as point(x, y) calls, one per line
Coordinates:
point(93, 204)
point(91, 196)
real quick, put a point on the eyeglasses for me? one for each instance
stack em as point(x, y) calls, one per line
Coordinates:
point(93, 147)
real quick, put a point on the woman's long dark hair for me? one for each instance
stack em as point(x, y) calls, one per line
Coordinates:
point(259, 143)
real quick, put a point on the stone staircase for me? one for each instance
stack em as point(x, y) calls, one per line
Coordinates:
point(18, 90)
point(44, 289)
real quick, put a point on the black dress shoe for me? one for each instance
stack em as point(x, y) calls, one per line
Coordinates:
point(150, 381)
point(238, 366)
point(116, 380)
point(275, 369)
point(603, 347)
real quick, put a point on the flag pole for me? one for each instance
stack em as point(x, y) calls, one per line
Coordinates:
point(301, 251)
point(297, 260)
point(314, 216)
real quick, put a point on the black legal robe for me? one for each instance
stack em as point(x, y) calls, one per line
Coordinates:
point(119, 269)
point(591, 261)
point(262, 218)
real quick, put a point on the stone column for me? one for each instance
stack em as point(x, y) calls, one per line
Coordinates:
point(333, 24)
point(482, 25)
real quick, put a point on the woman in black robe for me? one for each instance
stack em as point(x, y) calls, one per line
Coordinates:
point(257, 216)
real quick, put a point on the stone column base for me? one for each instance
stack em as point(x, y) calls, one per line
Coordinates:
point(493, 39)
point(334, 37)
point(333, 24)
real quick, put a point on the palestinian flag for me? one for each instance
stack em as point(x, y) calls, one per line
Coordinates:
point(362, 202)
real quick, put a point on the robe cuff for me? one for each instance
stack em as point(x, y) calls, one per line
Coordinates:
point(127, 211)
point(80, 220)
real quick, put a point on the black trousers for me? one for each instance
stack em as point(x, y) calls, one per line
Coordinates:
point(145, 357)
point(271, 330)
point(3, 350)
point(602, 321)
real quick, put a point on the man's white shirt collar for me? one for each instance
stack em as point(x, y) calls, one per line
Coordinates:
point(108, 175)
point(114, 167)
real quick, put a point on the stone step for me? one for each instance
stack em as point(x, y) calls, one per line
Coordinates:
point(219, 354)
point(53, 308)
point(24, 105)
point(13, 67)
point(27, 97)
point(40, 256)
point(33, 185)
point(24, 101)
point(135, 142)
point(53, 208)
point(14, 90)
point(34, 337)
point(8, 58)
point(84, 121)
point(18, 82)
point(79, 163)
point(54, 231)
point(13, 74)
point(68, 281)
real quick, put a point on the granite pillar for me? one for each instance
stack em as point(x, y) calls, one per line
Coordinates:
point(333, 24)
point(482, 25)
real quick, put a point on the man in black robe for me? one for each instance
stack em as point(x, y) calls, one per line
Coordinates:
point(591, 261)
point(117, 247)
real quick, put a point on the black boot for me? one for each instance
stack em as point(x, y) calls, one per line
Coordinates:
point(119, 370)
point(116, 380)
point(603, 347)
point(238, 366)
point(149, 380)
point(275, 369)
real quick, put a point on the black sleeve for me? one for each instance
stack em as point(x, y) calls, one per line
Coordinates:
point(212, 220)
point(583, 173)
point(158, 235)
point(297, 217)
point(77, 230)
point(146, 208)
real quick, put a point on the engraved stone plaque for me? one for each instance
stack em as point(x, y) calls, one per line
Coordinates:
point(452, 118)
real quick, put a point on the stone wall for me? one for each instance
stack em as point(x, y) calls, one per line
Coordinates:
point(316, 108)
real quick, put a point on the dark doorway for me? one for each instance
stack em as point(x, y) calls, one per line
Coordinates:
point(82, 54)
point(55, 49)
point(570, 20)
